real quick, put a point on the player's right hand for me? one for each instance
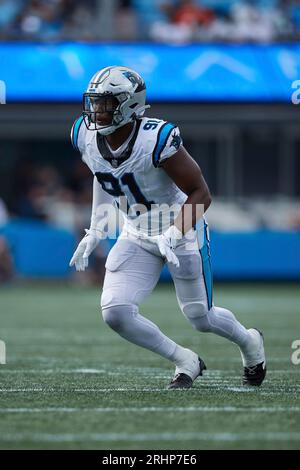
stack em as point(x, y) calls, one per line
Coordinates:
point(83, 251)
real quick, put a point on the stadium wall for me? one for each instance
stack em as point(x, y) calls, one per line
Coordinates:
point(42, 251)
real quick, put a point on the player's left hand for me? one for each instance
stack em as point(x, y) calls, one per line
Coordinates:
point(167, 243)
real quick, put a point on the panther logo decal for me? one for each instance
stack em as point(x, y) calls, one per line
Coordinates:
point(176, 141)
point(134, 78)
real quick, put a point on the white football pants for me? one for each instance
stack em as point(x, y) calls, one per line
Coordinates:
point(133, 269)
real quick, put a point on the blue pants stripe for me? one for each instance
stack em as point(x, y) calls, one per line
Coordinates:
point(206, 268)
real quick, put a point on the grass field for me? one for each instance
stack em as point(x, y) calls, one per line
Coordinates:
point(72, 383)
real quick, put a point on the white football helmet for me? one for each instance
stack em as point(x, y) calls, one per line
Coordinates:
point(117, 90)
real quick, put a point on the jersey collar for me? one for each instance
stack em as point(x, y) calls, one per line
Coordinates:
point(107, 154)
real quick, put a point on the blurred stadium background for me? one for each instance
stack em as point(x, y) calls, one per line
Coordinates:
point(226, 72)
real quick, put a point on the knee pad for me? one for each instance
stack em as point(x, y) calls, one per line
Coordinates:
point(196, 313)
point(202, 324)
point(194, 310)
point(111, 317)
point(117, 316)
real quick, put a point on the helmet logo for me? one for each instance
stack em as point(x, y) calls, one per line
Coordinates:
point(135, 79)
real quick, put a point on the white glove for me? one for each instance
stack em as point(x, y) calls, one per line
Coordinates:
point(95, 233)
point(84, 249)
point(167, 243)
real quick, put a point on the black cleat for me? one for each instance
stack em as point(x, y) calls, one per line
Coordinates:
point(254, 375)
point(255, 361)
point(184, 381)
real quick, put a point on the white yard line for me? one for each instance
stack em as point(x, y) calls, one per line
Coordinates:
point(81, 390)
point(158, 409)
point(204, 387)
point(55, 371)
point(222, 374)
point(157, 437)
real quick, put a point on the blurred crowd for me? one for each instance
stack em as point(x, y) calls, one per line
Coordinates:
point(169, 21)
point(43, 193)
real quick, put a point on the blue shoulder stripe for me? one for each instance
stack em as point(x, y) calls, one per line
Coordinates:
point(162, 138)
point(75, 132)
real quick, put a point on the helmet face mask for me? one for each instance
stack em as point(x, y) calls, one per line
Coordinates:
point(115, 96)
point(98, 109)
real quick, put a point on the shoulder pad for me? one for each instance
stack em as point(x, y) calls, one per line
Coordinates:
point(161, 141)
point(75, 133)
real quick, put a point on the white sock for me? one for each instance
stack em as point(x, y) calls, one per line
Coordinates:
point(222, 322)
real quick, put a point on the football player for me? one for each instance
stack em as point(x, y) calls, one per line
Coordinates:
point(143, 160)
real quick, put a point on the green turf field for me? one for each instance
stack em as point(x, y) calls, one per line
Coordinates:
point(72, 383)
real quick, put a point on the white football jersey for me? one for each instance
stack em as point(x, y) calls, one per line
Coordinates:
point(146, 195)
